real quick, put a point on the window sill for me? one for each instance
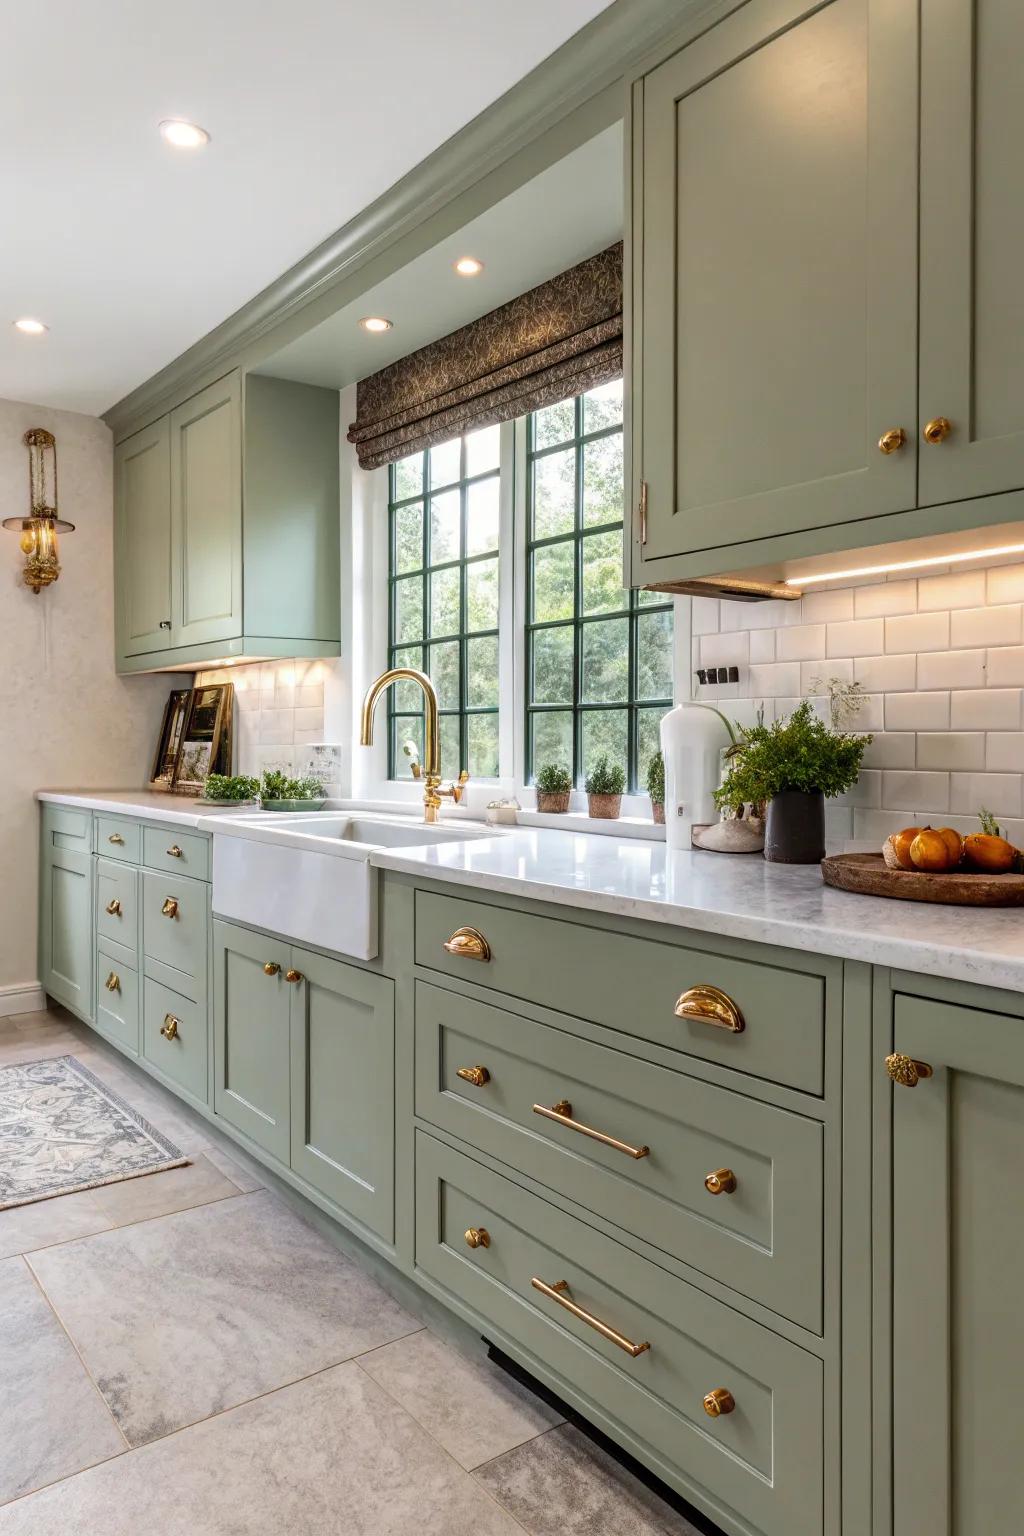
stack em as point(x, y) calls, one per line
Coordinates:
point(579, 821)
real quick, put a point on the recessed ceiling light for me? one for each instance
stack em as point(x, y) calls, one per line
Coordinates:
point(30, 327)
point(468, 266)
point(183, 135)
point(376, 323)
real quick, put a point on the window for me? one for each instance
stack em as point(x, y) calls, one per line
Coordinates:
point(598, 657)
point(443, 612)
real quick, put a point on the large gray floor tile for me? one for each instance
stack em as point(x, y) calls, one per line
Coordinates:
point(52, 1420)
point(331, 1456)
point(46, 1222)
point(158, 1194)
point(474, 1410)
point(562, 1485)
point(190, 1314)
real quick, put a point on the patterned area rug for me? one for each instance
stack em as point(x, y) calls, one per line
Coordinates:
point(61, 1130)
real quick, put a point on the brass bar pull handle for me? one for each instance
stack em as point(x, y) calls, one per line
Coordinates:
point(114, 908)
point(294, 976)
point(169, 908)
point(905, 1070)
point(559, 1292)
point(477, 1237)
point(113, 982)
point(721, 1182)
point(175, 852)
point(271, 968)
point(561, 1114)
point(116, 838)
point(718, 1402)
point(478, 1076)
point(468, 944)
point(170, 1026)
point(710, 1005)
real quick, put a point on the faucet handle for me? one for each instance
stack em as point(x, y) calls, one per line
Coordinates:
point(454, 792)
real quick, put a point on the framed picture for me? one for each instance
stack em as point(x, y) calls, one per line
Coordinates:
point(205, 743)
point(170, 738)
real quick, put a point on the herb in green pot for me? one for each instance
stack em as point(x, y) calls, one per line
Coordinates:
point(554, 786)
point(656, 787)
point(277, 786)
point(231, 787)
point(604, 785)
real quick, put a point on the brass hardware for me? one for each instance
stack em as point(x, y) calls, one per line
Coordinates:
point(113, 982)
point(559, 1292)
point(891, 441)
point(561, 1113)
point(170, 1026)
point(710, 1005)
point(643, 511)
point(937, 430)
point(40, 526)
point(271, 968)
point(165, 623)
point(433, 790)
point(175, 852)
point(477, 1237)
point(478, 1076)
point(905, 1070)
point(170, 907)
point(115, 837)
point(114, 908)
point(293, 976)
point(721, 1182)
point(468, 944)
point(718, 1402)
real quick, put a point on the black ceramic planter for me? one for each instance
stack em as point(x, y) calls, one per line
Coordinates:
point(794, 830)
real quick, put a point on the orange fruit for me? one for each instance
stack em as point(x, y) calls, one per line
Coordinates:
point(954, 843)
point(930, 851)
point(900, 844)
point(992, 855)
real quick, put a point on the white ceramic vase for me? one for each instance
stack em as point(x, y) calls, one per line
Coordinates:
point(693, 738)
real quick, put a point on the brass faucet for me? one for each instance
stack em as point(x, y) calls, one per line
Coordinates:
point(433, 790)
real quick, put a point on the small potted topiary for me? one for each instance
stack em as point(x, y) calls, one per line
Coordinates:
point(554, 786)
point(604, 785)
point(656, 787)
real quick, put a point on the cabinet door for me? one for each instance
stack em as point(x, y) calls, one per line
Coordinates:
point(206, 514)
point(65, 928)
point(142, 548)
point(250, 1035)
point(343, 1087)
point(958, 1253)
point(775, 276)
point(972, 246)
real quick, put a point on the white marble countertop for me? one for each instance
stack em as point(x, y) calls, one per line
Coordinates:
point(741, 896)
point(152, 804)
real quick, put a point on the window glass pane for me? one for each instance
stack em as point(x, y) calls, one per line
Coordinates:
point(444, 673)
point(406, 729)
point(602, 481)
point(554, 424)
point(482, 672)
point(654, 655)
point(445, 523)
point(482, 516)
point(554, 494)
point(553, 651)
point(482, 450)
point(605, 733)
point(602, 407)
point(451, 747)
point(649, 740)
point(408, 477)
point(407, 697)
point(408, 609)
point(653, 600)
point(606, 662)
point(445, 596)
point(601, 562)
point(409, 537)
point(552, 739)
point(554, 571)
point(483, 746)
point(445, 460)
point(481, 595)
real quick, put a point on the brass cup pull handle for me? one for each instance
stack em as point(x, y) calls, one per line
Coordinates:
point(468, 944)
point(893, 440)
point(561, 1113)
point(170, 1026)
point(113, 982)
point(114, 908)
point(478, 1076)
point(560, 1292)
point(905, 1070)
point(116, 839)
point(294, 976)
point(721, 1182)
point(718, 1402)
point(170, 907)
point(271, 968)
point(175, 852)
point(710, 1005)
point(937, 430)
point(477, 1237)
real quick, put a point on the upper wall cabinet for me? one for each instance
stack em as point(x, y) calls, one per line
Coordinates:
point(780, 390)
point(227, 527)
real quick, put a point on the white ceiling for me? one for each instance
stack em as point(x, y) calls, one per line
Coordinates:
point(129, 250)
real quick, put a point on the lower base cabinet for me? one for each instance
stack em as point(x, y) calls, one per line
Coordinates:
point(118, 1002)
point(251, 1049)
point(66, 928)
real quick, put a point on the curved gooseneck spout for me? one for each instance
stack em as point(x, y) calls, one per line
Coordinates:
point(433, 790)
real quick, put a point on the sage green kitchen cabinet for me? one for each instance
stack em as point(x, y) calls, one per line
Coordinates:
point(142, 519)
point(958, 1271)
point(206, 514)
point(251, 1035)
point(66, 927)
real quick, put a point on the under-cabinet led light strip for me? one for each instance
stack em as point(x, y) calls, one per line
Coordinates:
point(907, 565)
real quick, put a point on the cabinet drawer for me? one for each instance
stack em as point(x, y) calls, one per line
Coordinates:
point(118, 839)
point(117, 905)
point(763, 1236)
point(177, 852)
point(174, 1037)
point(763, 1459)
point(117, 998)
point(174, 927)
point(634, 985)
point(65, 827)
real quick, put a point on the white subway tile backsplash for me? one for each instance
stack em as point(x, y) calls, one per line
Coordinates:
point(801, 642)
point(1005, 668)
point(915, 791)
point(886, 598)
point(866, 792)
point(917, 711)
point(1005, 584)
point(891, 749)
point(985, 709)
point(951, 669)
point(985, 626)
point(997, 792)
point(310, 720)
point(725, 650)
point(875, 826)
point(775, 680)
point(962, 589)
point(762, 645)
point(951, 749)
point(1004, 752)
point(857, 637)
point(704, 616)
point(815, 674)
point(883, 674)
point(917, 632)
point(828, 607)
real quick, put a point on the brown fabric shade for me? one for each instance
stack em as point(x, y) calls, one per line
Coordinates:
point(559, 339)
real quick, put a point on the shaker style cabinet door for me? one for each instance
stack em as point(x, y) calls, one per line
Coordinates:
point(972, 249)
point(250, 1035)
point(774, 277)
point(65, 928)
point(958, 1255)
point(142, 522)
point(206, 514)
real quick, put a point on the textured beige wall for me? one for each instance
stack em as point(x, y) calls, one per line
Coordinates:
point(65, 718)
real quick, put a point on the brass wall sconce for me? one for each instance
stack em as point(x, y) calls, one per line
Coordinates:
point(40, 528)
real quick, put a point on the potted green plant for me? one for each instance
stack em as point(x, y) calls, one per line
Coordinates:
point(604, 785)
point(278, 792)
point(231, 789)
point(656, 787)
point(554, 786)
point(793, 765)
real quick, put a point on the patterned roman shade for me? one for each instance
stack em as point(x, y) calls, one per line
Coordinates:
point(559, 339)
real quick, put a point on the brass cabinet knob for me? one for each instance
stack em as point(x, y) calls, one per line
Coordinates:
point(937, 430)
point(710, 1005)
point(468, 944)
point(114, 908)
point(477, 1237)
point(721, 1182)
point(905, 1070)
point(170, 1026)
point(175, 852)
point(893, 440)
point(271, 968)
point(718, 1402)
point(293, 976)
point(113, 982)
point(116, 838)
point(478, 1076)
point(170, 907)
